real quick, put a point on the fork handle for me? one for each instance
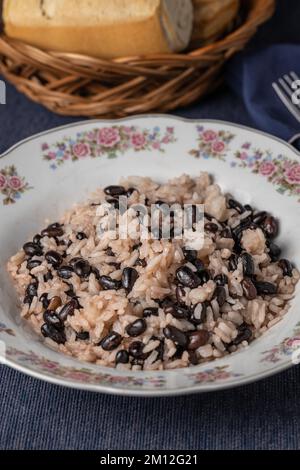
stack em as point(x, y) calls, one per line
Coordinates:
point(295, 141)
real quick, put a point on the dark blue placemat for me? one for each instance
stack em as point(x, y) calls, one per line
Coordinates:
point(37, 415)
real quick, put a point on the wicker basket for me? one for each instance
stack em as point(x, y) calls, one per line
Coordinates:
point(77, 85)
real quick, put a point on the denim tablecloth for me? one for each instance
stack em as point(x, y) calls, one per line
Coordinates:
point(37, 415)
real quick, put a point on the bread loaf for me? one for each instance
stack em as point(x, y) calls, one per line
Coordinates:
point(211, 18)
point(101, 28)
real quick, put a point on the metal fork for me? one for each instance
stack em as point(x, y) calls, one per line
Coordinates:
point(285, 88)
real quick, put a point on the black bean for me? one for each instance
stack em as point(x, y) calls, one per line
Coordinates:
point(287, 267)
point(51, 318)
point(81, 236)
point(33, 263)
point(211, 227)
point(248, 207)
point(141, 262)
point(122, 357)
point(187, 277)
point(259, 217)
point(265, 288)
point(197, 339)
point(55, 303)
point(129, 276)
point(232, 262)
point(136, 328)
point(220, 295)
point(274, 251)
point(32, 249)
point(115, 265)
point(31, 290)
point(107, 283)
point(193, 358)
point(226, 233)
point(73, 261)
point(244, 334)
point(198, 315)
point(130, 191)
point(82, 335)
point(178, 353)
point(111, 341)
point(37, 239)
point(248, 264)
point(150, 311)
point(136, 349)
point(270, 226)
point(53, 230)
point(249, 289)
point(65, 272)
point(233, 204)
point(177, 336)
point(221, 279)
point(190, 255)
point(67, 310)
point(54, 258)
point(115, 190)
point(199, 265)
point(180, 295)
point(178, 311)
point(82, 268)
point(164, 302)
point(49, 331)
point(45, 301)
point(204, 276)
point(96, 272)
point(27, 299)
point(160, 348)
point(48, 276)
point(114, 202)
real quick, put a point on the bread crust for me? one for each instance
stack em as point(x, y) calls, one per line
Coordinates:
point(96, 27)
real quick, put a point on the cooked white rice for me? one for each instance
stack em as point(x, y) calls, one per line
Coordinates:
point(244, 286)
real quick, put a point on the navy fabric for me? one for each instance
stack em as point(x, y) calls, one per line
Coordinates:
point(251, 76)
point(37, 415)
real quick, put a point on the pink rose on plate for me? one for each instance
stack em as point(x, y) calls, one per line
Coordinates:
point(218, 146)
point(243, 155)
point(292, 174)
point(108, 136)
point(15, 183)
point(209, 135)
point(156, 145)
point(81, 150)
point(3, 181)
point(267, 168)
point(138, 140)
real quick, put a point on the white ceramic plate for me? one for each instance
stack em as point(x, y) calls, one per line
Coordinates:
point(43, 175)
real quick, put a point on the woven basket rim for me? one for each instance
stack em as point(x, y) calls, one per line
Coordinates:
point(265, 6)
point(80, 85)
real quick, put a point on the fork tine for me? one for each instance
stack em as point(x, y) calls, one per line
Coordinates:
point(290, 82)
point(286, 101)
point(285, 85)
point(294, 76)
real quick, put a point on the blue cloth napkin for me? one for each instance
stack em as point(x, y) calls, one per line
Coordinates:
point(251, 74)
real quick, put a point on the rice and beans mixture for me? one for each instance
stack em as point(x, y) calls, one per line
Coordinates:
point(154, 304)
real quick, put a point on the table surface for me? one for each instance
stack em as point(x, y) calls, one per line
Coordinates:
point(38, 415)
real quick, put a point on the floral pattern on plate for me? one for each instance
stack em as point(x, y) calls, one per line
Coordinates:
point(212, 375)
point(212, 144)
point(288, 347)
point(12, 186)
point(110, 141)
point(81, 374)
point(281, 171)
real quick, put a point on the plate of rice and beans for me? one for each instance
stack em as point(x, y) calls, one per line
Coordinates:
point(150, 255)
